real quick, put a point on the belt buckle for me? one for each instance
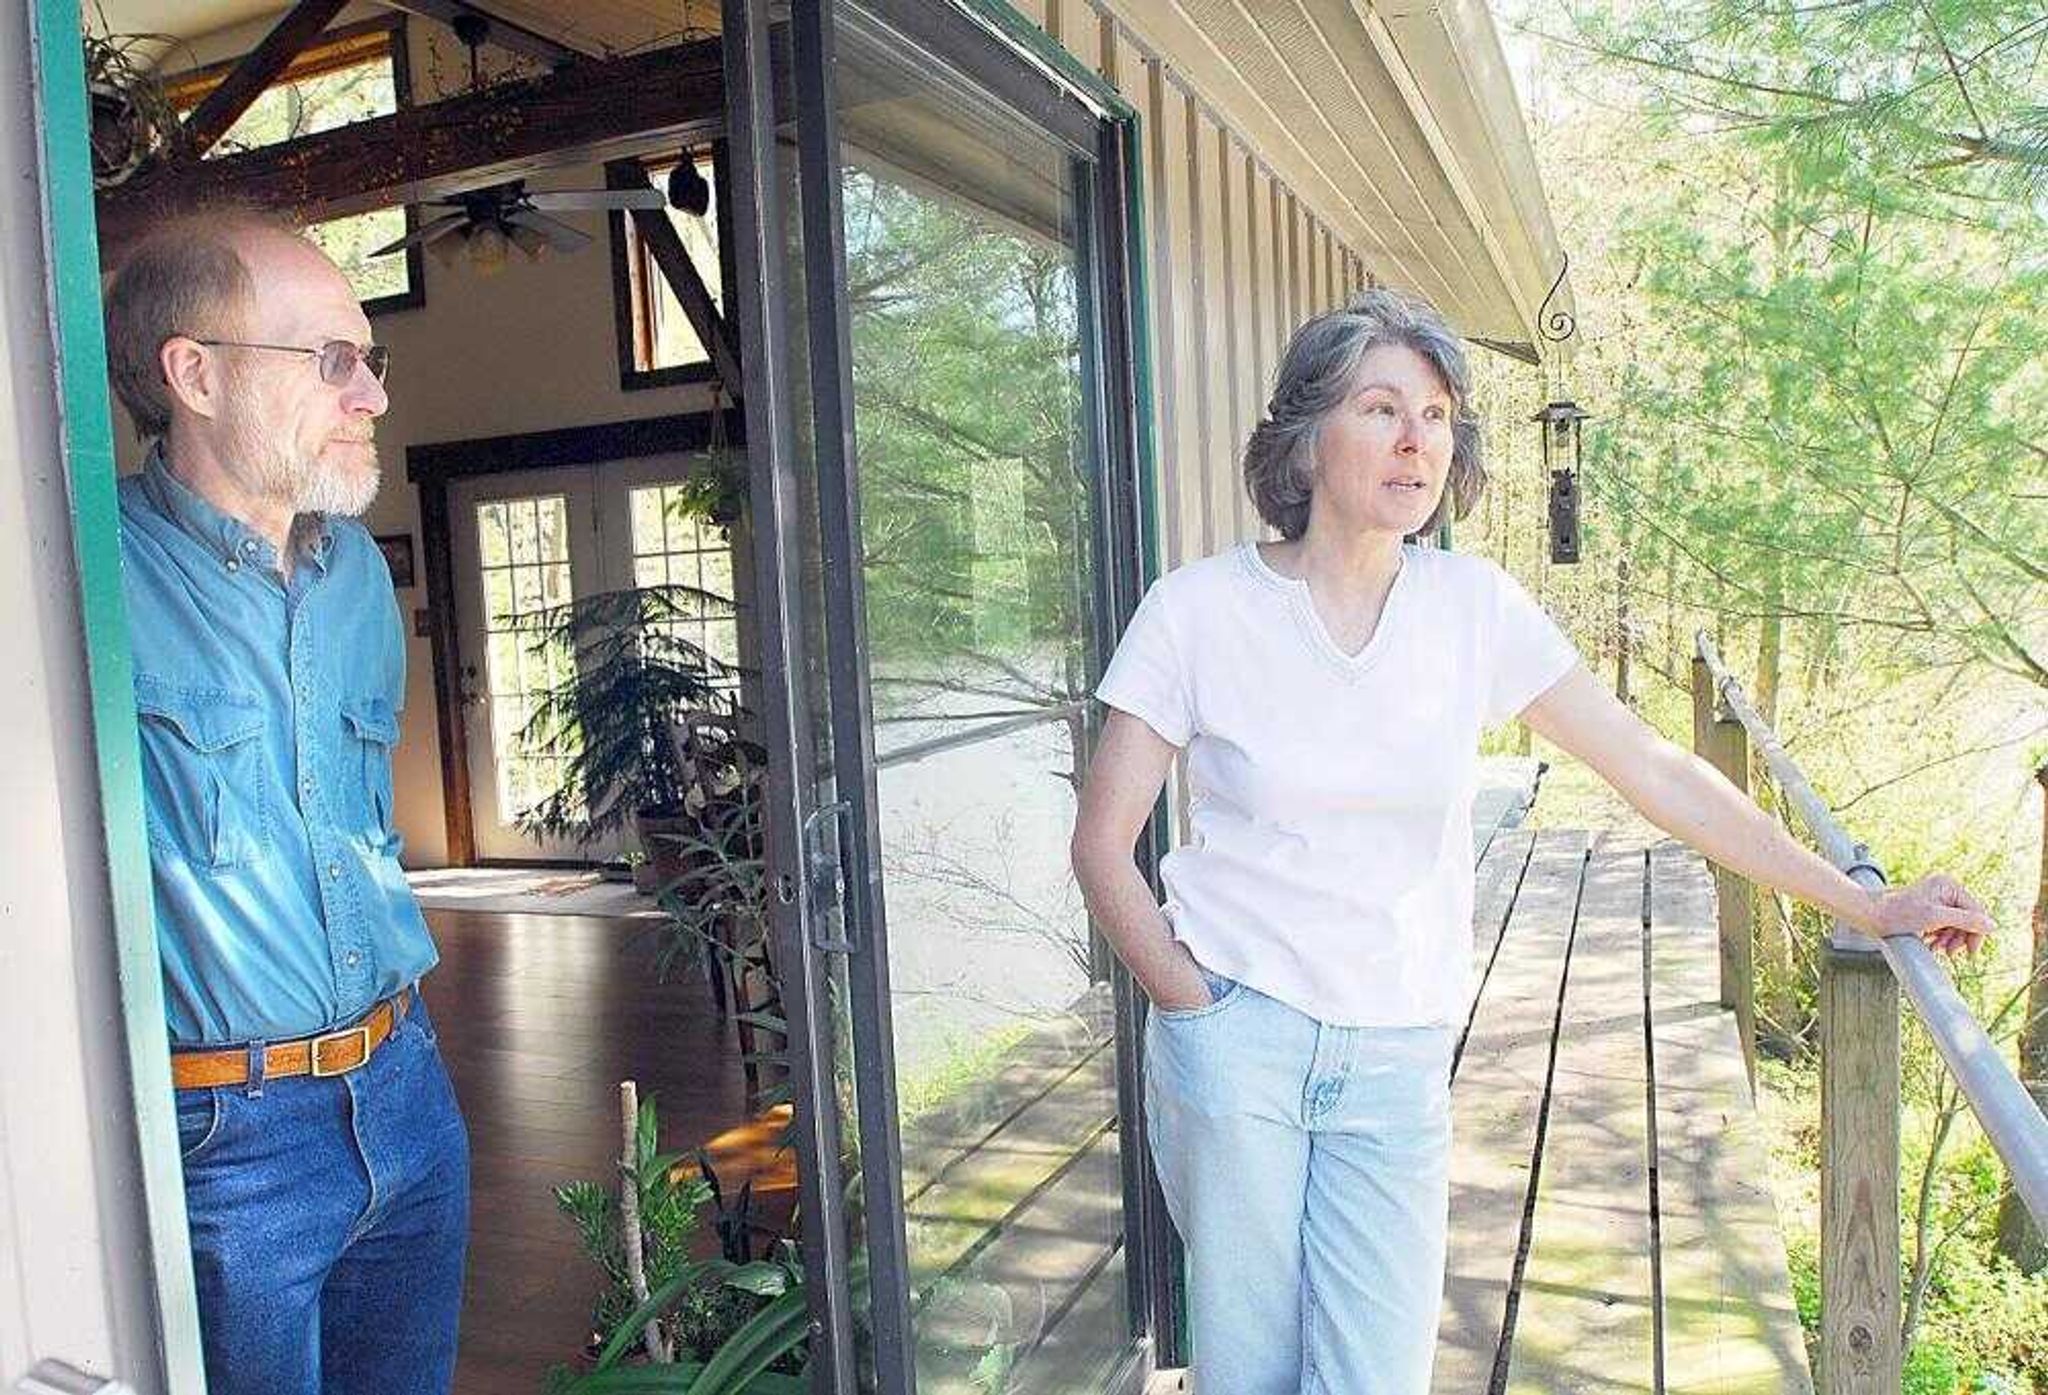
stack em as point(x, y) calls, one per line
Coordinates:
point(360, 1033)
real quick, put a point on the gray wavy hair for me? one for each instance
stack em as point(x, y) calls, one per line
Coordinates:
point(1318, 372)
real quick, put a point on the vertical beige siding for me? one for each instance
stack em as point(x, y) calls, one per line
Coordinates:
point(1201, 209)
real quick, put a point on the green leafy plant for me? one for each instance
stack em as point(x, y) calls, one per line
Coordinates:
point(641, 719)
point(732, 1321)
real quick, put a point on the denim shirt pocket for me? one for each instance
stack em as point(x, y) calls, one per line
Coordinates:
point(202, 772)
point(373, 731)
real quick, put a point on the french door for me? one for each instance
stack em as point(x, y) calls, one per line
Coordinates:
point(939, 394)
point(525, 544)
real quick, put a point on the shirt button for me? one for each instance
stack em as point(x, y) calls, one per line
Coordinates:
point(333, 871)
point(233, 565)
point(306, 785)
point(351, 959)
point(248, 547)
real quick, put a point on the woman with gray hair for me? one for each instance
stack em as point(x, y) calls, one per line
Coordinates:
point(1311, 965)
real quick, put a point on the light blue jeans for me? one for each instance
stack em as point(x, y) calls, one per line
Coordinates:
point(1307, 1169)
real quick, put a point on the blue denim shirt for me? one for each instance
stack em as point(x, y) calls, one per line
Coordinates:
point(268, 711)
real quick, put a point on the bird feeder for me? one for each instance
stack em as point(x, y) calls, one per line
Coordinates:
point(1561, 445)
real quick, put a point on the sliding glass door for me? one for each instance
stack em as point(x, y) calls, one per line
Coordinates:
point(960, 479)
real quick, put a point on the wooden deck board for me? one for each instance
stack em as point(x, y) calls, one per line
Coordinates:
point(1494, 1101)
point(1729, 1323)
point(1586, 1320)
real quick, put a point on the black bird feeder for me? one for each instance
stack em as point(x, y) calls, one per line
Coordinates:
point(1561, 462)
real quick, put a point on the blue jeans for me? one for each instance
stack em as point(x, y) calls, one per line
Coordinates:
point(1307, 1169)
point(329, 1219)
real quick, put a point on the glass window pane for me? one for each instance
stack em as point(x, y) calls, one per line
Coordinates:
point(645, 505)
point(977, 508)
point(493, 539)
point(525, 521)
point(498, 609)
point(553, 518)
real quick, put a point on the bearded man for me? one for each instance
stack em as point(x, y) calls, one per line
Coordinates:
point(326, 1164)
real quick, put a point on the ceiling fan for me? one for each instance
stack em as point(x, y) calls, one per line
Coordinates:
point(490, 218)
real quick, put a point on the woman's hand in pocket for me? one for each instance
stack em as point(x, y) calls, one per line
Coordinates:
point(1185, 990)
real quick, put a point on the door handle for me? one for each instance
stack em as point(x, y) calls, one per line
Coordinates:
point(825, 876)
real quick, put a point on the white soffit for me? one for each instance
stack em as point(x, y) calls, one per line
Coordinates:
point(1397, 125)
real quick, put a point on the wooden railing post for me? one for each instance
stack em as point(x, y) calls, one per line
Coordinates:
point(1720, 739)
point(1859, 1170)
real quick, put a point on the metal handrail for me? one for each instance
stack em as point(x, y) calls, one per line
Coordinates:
point(2011, 1119)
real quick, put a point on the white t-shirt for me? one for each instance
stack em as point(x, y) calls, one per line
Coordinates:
point(1330, 863)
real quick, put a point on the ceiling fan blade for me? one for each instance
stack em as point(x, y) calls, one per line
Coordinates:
point(577, 199)
point(424, 233)
point(560, 235)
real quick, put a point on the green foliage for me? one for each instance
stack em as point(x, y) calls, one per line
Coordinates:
point(615, 716)
point(975, 509)
point(1807, 255)
point(1931, 1369)
point(728, 1319)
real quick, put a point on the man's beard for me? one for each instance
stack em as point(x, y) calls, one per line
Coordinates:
point(274, 471)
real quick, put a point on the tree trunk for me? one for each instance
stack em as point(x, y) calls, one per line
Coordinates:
point(1770, 649)
point(1621, 631)
point(2019, 1239)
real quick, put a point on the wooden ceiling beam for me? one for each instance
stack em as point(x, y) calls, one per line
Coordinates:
point(251, 77)
point(666, 247)
point(586, 113)
point(504, 33)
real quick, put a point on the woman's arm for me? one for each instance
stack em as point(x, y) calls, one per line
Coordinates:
point(1124, 779)
point(1689, 799)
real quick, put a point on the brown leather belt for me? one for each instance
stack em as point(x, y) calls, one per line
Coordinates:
point(331, 1053)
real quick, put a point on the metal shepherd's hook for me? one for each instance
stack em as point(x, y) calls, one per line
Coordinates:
point(1559, 325)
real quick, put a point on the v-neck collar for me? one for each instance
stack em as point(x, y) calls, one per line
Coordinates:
point(1301, 602)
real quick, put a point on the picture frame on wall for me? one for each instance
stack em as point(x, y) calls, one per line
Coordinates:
point(397, 550)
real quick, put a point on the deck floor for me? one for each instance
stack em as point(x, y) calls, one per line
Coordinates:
point(1611, 1228)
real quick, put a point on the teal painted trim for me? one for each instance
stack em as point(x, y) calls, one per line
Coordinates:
point(1021, 33)
point(1139, 252)
point(71, 237)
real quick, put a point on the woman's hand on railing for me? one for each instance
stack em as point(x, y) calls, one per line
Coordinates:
point(1936, 910)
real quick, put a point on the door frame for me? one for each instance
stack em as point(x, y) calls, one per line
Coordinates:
point(996, 48)
point(431, 467)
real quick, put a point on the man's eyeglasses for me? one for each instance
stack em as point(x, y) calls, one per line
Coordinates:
point(338, 358)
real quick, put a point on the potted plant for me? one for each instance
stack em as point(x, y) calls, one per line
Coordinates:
point(643, 720)
point(733, 1324)
point(717, 914)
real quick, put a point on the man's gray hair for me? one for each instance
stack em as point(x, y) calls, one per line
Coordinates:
point(1319, 371)
point(185, 276)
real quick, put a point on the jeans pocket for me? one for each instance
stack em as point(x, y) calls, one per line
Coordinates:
point(1222, 992)
point(199, 1113)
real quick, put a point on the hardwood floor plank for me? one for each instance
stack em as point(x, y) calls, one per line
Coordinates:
point(539, 1018)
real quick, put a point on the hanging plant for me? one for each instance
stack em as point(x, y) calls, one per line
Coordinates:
point(132, 119)
point(716, 488)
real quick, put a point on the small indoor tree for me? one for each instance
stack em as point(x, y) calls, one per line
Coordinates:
point(643, 721)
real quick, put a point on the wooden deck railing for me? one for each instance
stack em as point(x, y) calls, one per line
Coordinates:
point(1859, 1052)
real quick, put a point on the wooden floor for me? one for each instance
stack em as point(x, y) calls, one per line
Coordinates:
point(540, 1017)
point(1611, 1225)
point(1611, 1228)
